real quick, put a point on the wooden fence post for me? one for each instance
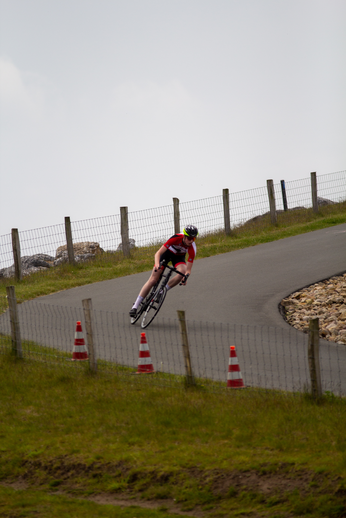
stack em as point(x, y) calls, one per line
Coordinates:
point(185, 343)
point(16, 254)
point(69, 241)
point(271, 196)
point(176, 215)
point(15, 328)
point(284, 198)
point(314, 358)
point(124, 224)
point(226, 216)
point(314, 192)
point(87, 308)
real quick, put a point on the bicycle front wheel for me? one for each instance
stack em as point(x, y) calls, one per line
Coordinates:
point(153, 307)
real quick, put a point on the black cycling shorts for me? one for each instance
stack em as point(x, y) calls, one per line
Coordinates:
point(175, 259)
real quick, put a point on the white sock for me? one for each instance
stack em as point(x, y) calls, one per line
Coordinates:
point(168, 287)
point(138, 301)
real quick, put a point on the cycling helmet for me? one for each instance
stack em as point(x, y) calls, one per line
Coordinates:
point(191, 231)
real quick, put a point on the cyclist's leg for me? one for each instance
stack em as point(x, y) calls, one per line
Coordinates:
point(181, 267)
point(154, 277)
point(167, 256)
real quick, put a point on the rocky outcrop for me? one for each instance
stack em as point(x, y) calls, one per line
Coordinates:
point(323, 201)
point(325, 300)
point(85, 247)
point(84, 251)
point(132, 244)
point(30, 264)
point(82, 258)
point(37, 261)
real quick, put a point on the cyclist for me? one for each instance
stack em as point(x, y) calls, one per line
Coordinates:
point(174, 251)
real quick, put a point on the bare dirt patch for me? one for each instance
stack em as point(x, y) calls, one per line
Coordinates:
point(65, 476)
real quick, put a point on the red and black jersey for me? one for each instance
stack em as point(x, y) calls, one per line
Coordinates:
point(176, 245)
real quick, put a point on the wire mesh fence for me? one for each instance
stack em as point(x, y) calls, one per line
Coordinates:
point(269, 358)
point(44, 240)
point(104, 230)
point(206, 214)
point(298, 194)
point(333, 186)
point(6, 254)
point(247, 205)
point(154, 226)
point(151, 226)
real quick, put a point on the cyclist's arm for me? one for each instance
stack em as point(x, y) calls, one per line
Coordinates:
point(188, 272)
point(190, 259)
point(158, 255)
point(191, 256)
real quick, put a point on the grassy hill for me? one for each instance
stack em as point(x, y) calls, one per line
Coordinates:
point(74, 444)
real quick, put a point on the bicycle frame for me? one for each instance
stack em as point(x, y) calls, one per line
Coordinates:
point(153, 302)
point(168, 275)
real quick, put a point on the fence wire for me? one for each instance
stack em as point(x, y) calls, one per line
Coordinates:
point(154, 226)
point(43, 240)
point(247, 205)
point(269, 358)
point(298, 194)
point(205, 214)
point(104, 230)
point(151, 226)
point(332, 186)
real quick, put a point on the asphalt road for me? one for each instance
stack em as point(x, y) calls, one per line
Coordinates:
point(240, 287)
point(229, 298)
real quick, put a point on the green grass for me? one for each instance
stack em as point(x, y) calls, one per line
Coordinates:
point(69, 438)
point(29, 503)
point(71, 433)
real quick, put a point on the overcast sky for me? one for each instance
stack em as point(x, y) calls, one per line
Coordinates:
point(110, 103)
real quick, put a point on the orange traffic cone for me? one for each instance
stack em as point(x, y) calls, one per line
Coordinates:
point(234, 377)
point(79, 349)
point(144, 361)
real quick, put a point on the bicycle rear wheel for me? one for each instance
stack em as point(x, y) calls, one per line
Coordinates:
point(138, 314)
point(153, 307)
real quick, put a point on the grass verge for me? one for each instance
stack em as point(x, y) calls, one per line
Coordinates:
point(67, 433)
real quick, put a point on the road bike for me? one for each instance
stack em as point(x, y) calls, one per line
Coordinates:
point(151, 304)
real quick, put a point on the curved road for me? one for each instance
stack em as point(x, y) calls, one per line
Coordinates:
point(243, 286)
point(239, 293)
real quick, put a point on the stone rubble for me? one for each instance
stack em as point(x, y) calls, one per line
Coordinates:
point(84, 251)
point(132, 244)
point(30, 264)
point(325, 300)
point(86, 247)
